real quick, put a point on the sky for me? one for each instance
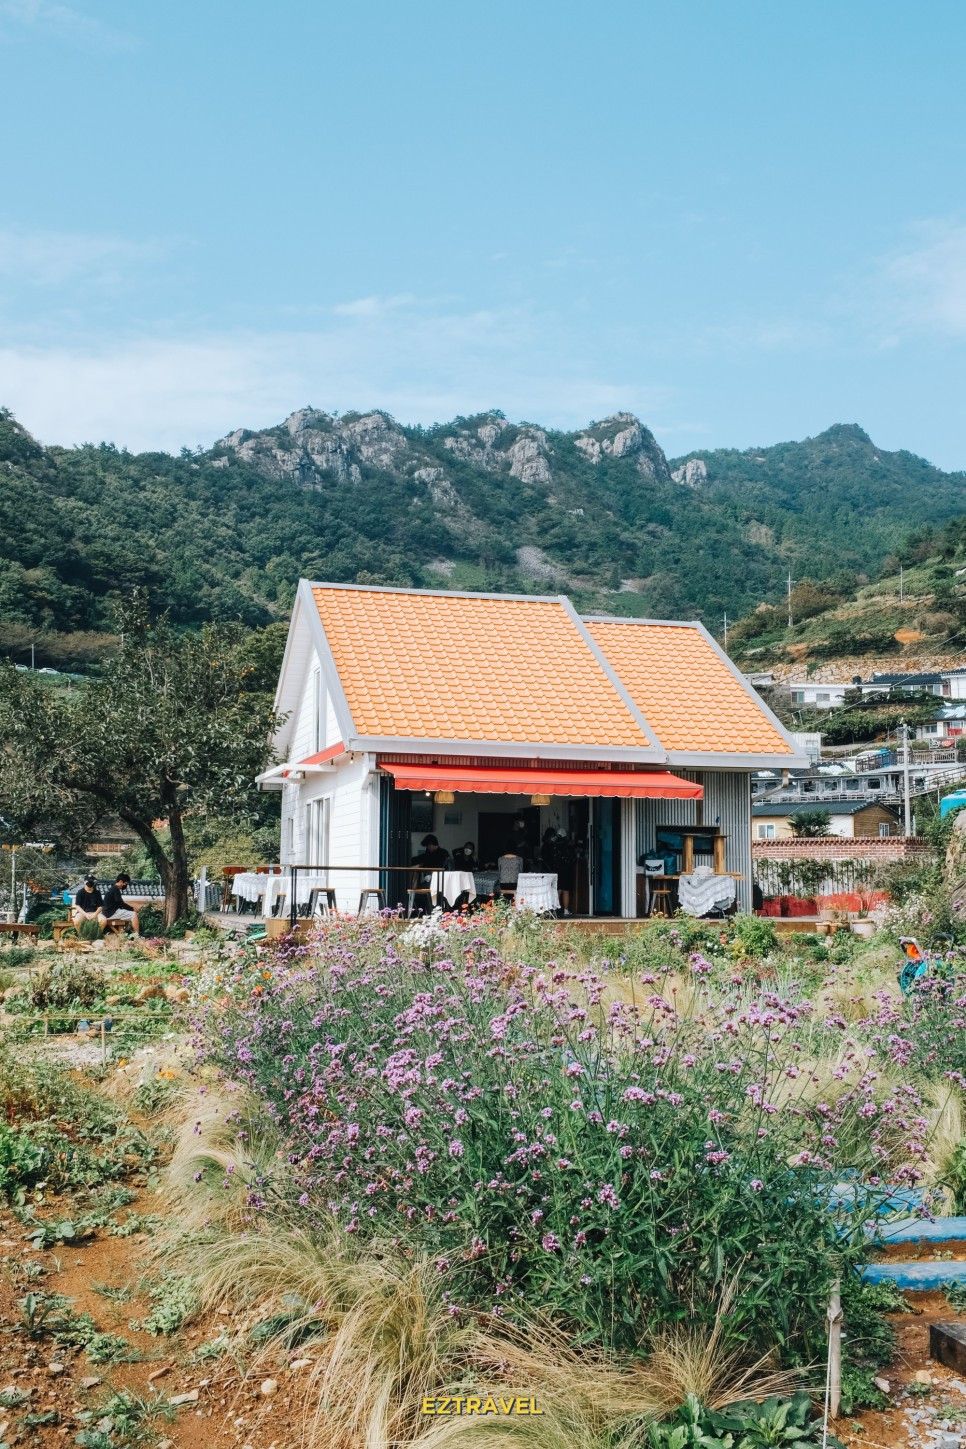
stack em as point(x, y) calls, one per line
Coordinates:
point(742, 221)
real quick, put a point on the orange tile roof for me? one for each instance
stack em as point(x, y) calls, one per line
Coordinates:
point(688, 695)
point(452, 667)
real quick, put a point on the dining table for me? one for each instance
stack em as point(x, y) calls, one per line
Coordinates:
point(451, 884)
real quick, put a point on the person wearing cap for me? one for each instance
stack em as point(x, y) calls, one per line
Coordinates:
point(115, 907)
point(87, 902)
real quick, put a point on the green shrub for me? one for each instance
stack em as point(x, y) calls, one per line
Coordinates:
point(66, 983)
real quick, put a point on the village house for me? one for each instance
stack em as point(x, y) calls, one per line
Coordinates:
point(775, 820)
point(475, 717)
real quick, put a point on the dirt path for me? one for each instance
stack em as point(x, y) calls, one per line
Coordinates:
point(50, 1392)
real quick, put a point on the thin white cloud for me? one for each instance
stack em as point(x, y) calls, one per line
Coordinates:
point(922, 288)
point(53, 259)
point(372, 306)
point(165, 393)
point(64, 23)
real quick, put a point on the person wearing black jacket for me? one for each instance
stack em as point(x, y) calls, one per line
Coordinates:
point(87, 902)
point(116, 908)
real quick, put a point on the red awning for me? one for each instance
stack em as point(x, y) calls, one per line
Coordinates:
point(544, 780)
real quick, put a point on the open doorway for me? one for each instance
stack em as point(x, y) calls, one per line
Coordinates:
point(496, 828)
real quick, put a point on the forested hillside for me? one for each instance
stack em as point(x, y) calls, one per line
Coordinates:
point(476, 503)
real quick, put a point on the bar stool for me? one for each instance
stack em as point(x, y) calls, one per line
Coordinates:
point(415, 891)
point(380, 896)
point(661, 896)
point(322, 901)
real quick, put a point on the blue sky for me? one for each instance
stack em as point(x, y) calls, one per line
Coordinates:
point(744, 221)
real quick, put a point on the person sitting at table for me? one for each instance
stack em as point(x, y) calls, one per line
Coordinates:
point(87, 902)
point(431, 857)
point(508, 868)
point(116, 908)
point(464, 857)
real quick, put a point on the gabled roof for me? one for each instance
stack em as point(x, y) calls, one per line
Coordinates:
point(820, 807)
point(424, 671)
point(693, 697)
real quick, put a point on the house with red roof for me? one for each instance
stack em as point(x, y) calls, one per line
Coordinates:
point(484, 718)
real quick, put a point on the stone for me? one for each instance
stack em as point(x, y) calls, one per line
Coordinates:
point(882, 1385)
point(159, 1373)
point(56, 1368)
point(90, 1383)
point(191, 1397)
point(300, 1363)
point(923, 1376)
point(269, 1388)
point(166, 1444)
point(176, 993)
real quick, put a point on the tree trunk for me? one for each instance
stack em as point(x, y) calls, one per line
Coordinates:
point(177, 879)
point(173, 871)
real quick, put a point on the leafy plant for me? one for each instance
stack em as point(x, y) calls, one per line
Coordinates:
point(67, 982)
point(21, 1163)
point(955, 1296)
point(175, 1300)
point(771, 1424)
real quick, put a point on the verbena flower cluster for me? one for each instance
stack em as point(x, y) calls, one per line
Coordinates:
point(612, 1146)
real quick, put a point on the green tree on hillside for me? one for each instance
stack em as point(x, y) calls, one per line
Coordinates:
point(176, 725)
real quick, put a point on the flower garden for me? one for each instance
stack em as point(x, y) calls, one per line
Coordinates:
point(478, 1181)
point(627, 1155)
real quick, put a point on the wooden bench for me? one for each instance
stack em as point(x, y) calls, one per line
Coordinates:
point(18, 928)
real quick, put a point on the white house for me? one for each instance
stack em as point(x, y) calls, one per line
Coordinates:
point(412, 711)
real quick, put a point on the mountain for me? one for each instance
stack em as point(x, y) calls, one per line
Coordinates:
point(477, 503)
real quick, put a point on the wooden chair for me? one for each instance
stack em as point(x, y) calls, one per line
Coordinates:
point(380, 896)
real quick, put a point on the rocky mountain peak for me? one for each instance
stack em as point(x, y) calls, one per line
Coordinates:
point(620, 436)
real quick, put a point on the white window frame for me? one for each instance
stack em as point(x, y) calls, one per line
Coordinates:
point(766, 831)
point(316, 816)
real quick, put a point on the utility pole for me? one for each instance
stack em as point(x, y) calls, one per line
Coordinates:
point(900, 583)
point(790, 582)
point(33, 656)
point(726, 633)
point(905, 778)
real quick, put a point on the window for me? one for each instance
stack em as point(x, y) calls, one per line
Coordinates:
point(316, 838)
point(823, 697)
point(766, 832)
point(852, 784)
point(798, 696)
point(874, 784)
point(884, 828)
point(830, 785)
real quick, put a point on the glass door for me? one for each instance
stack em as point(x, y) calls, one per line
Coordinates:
point(605, 859)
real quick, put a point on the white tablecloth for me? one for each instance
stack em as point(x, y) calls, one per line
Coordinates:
point(250, 887)
point(451, 884)
point(536, 892)
point(267, 890)
point(702, 891)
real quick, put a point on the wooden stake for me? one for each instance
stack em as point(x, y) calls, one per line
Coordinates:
point(835, 1348)
point(103, 1046)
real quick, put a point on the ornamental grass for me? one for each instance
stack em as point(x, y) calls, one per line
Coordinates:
point(609, 1148)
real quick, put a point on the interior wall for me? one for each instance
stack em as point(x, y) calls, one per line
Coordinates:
point(469, 807)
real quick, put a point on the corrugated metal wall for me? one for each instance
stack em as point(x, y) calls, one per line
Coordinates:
point(727, 804)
